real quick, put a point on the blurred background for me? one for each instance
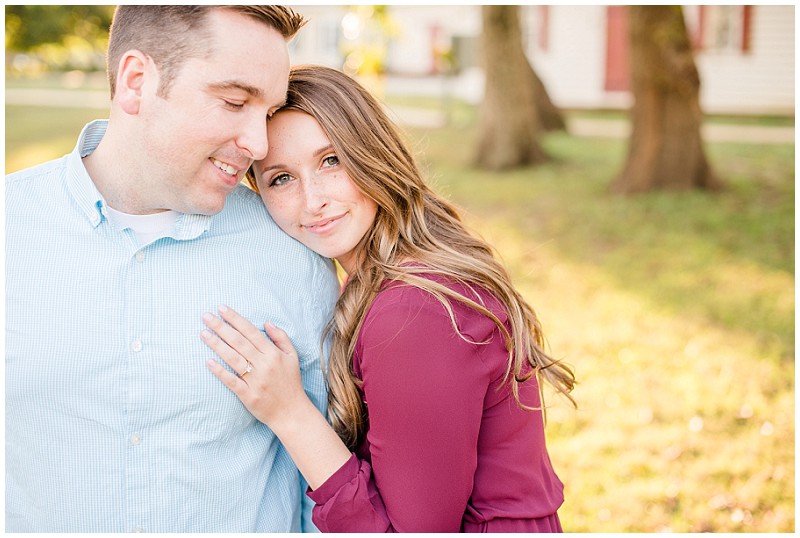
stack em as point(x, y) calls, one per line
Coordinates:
point(633, 166)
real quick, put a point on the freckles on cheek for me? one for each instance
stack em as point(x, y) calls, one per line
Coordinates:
point(280, 212)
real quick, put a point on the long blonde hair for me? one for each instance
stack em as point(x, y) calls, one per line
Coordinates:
point(412, 223)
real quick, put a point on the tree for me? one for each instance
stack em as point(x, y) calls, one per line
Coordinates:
point(40, 37)
point(665, 150)
point(55, 24)
point(515, 105)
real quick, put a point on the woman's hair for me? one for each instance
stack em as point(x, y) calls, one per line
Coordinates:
point(412, 223)
point(172, 34)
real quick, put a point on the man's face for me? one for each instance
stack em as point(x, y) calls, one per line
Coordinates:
point(200, 140)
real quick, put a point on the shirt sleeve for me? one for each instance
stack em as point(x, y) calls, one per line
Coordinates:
point(424, 386)
point(314, 384)
point(311, 366)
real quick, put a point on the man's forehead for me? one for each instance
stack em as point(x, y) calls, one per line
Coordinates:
point(241, 55)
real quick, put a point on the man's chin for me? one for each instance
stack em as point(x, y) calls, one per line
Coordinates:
point(208, 209)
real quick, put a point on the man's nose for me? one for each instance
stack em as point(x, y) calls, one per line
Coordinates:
point(253, 137)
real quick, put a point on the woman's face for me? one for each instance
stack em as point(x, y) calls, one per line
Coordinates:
point(308, 192)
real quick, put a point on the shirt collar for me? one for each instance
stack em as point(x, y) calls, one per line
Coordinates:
point(89, 199)
point(80, 185)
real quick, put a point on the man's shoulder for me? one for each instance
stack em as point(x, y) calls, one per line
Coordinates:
point(244, 199)
point(244, 213)
point(38, 172)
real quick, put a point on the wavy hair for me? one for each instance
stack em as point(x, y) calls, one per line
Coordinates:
point(412, 223)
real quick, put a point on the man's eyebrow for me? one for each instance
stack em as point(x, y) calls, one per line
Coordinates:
point(235, 85)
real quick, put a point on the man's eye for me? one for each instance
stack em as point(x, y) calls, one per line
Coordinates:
point(232, 105)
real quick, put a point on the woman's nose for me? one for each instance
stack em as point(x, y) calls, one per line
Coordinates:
point(315, 195)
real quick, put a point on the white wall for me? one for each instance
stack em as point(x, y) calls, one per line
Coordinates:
point(573, 66)
point(760, 81)
point(410, 53)
point(317, 41)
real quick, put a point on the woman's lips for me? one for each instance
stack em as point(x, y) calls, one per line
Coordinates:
point(323, 225)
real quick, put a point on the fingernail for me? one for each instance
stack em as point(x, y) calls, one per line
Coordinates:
point(205, 334)
point(207, 317)
point(222, 308)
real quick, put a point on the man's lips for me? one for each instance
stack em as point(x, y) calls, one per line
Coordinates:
point(230, 172)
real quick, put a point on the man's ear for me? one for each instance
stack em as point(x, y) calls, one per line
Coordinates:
point(134, 68)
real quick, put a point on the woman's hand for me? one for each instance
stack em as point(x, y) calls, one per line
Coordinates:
point(268, 374)
point(269, 385)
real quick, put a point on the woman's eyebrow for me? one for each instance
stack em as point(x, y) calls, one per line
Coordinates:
point(318, 152)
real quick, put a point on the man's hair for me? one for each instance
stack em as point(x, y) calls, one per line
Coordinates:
point(172, 34)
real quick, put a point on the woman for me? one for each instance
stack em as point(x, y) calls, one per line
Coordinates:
point(436, 360)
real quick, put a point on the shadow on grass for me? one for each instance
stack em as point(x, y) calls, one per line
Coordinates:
point(726, 257)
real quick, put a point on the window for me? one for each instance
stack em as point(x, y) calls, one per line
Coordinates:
point(719, 28)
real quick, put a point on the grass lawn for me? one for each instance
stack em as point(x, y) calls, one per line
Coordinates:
point(676, 311)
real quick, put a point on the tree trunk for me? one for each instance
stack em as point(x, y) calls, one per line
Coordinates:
point(510, 124)
point(550, 116)
point(665, 150)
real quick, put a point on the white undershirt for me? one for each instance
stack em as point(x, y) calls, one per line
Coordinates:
point(147, 228)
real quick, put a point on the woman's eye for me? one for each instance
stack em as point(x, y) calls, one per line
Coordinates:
point(279, 180)
point(331, 160)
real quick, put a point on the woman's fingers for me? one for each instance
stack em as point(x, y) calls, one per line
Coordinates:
point(233, 336)
point(236, 385)
point(249, 331)
point(234, 359)
point(279, 338)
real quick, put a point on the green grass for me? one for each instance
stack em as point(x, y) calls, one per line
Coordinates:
point(37, 134)
point(676, 311)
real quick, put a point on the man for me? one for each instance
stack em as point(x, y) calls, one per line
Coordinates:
point(114, 252)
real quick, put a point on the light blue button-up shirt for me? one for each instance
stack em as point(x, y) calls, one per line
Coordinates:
point(113, 421)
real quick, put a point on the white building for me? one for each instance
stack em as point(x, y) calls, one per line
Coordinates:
point(745, 54)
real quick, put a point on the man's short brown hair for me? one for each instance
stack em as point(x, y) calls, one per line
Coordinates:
point(171, 34)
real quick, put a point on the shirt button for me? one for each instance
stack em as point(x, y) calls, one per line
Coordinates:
point(136, 346)
point(139, 256)
point(136, 439)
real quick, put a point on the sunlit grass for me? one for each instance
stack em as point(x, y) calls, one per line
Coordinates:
point(38, 134)
point(676, 311)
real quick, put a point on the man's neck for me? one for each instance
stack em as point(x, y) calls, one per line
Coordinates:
point(116, 178)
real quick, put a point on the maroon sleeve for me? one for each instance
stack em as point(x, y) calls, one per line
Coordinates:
point(424, 387)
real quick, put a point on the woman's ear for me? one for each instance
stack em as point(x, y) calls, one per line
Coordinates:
point(133, 70)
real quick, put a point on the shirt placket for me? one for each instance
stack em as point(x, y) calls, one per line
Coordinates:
point(138, 315)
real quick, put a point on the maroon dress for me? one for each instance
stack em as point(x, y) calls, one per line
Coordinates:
point(448, 448)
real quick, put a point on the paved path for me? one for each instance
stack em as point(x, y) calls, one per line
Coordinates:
point(426, 118)
point(621, 128)
point(711, 132)
point(57, 98)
